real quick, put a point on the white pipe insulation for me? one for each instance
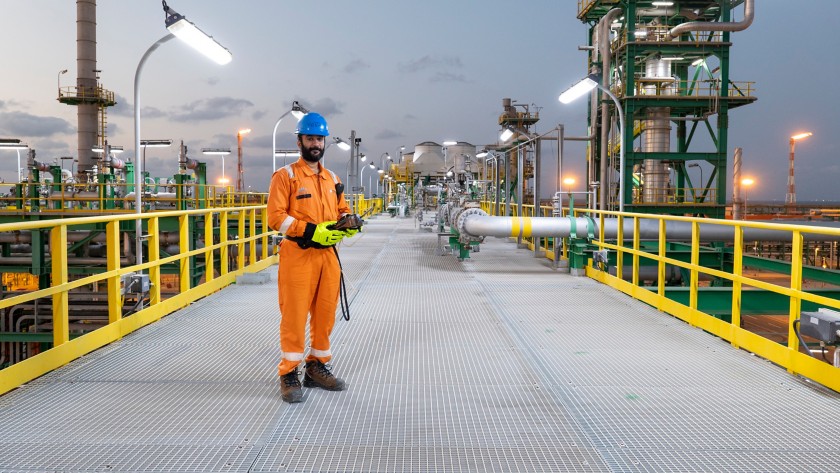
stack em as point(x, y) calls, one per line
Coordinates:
point(581, 227)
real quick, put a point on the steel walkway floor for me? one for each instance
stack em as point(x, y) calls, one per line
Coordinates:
point(497, 363)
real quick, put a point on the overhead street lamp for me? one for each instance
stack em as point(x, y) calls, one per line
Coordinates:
point(186, 31)
point(153, 144)
point(579, 90)
point(382, 159)
point(219, 152)
point(297, 111)
point(790, 198)
point(16, 145)
point(341, 143)
point(286, 153)
point(362, 175)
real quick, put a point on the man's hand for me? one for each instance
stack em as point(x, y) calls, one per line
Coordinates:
point(325, 236)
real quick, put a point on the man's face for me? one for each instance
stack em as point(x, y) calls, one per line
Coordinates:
point(311, 147)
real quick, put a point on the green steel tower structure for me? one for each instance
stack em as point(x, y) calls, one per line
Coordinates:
point(667, 62)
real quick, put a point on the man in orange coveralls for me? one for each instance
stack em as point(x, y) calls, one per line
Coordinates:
point(302, 203)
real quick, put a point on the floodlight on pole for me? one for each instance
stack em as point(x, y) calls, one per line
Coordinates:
point(297, 111)
point(506, 134)
point(16, 145)
point(450, 143)
point(341, 143)
point(286, 153)
point(580, 89)
point(187, 32)
point(178, 26)
point(218, 152)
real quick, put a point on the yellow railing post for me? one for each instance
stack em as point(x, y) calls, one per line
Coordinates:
point(663, 247)
point(240, 241)
point(112, 243)
point(695, 274)
point(223, 240)
point(636, 227)
point(737, 272)
point(208, 243)
point(265, 230)
point(184, 263)
point(796, 285)
point(61, 300)
point(154, 256)
point(619, 241)
point(252, 244)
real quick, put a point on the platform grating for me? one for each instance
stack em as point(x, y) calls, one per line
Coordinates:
point(495, 363)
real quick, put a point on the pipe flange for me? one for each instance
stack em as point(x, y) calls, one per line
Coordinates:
point(460, 220)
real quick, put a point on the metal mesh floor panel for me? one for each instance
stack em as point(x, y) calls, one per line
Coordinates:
point(495, 363)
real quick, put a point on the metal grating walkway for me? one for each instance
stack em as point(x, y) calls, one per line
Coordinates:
point(497, 363)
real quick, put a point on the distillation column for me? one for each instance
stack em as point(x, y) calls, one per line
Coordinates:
point(657, 137)
point(86, 82)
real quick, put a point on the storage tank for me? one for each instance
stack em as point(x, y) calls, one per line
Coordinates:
point(462, 156)
point(428, 158)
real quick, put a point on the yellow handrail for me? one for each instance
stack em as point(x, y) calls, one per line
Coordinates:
point(65, 350)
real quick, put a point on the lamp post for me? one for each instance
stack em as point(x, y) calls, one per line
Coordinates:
point(219, 152)
point(16, 145)
point(63, 71)
point(153, 144)
point(790, 198)
point(746, 183)
point(286, 153)
point(362, 175)
point(579, 90)
point(402, 148)
point(702, 182)
point(298, 111)
point(179, 26)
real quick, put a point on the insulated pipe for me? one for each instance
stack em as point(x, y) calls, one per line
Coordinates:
point(606, 56)
point(525, 227)
point(749, 14)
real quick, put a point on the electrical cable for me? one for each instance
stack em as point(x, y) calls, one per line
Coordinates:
point(795, 325)
point(345, 306)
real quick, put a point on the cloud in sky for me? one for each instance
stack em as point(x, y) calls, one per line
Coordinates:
point(388, 134)
point(210, 109)
point(124, 108)
point(325, 106)
point(429, 62)
point(447, 77)
point(21, 124)
point(355, 65)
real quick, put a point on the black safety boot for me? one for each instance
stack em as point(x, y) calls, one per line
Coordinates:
point(318, 375)
point(290, 387)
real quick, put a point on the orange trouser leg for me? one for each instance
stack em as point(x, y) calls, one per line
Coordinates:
point(308, 282)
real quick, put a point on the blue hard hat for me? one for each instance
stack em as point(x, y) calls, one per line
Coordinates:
point(313, 124)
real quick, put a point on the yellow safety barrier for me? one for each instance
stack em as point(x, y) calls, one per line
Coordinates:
point(785, 355)
point(64, 349)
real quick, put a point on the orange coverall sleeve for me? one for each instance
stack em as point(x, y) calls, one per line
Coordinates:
point(278, 206)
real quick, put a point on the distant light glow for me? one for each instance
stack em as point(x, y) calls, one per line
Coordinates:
point(747, 181)
point(698, 62)
point(801, 136)
point(507, 134)
point(662, 4)
point(450, 143)
point(216, 151)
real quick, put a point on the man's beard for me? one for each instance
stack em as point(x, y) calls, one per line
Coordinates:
point(307, 155)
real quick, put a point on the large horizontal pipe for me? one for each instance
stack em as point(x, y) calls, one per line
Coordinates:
point(477, 225)
point(165, 238)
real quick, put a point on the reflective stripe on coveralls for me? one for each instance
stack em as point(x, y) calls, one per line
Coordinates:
point(308, 279)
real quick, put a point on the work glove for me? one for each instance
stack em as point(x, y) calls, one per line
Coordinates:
point(324, 235)
point(351, 231)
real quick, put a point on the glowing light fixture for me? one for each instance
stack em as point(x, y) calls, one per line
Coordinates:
point(450, 143)
point(345, 146)
point(187, 32)
point(579, 90)
point(506, 134)
point(801, 136)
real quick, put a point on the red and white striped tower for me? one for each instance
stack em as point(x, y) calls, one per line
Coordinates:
point(790, 197)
